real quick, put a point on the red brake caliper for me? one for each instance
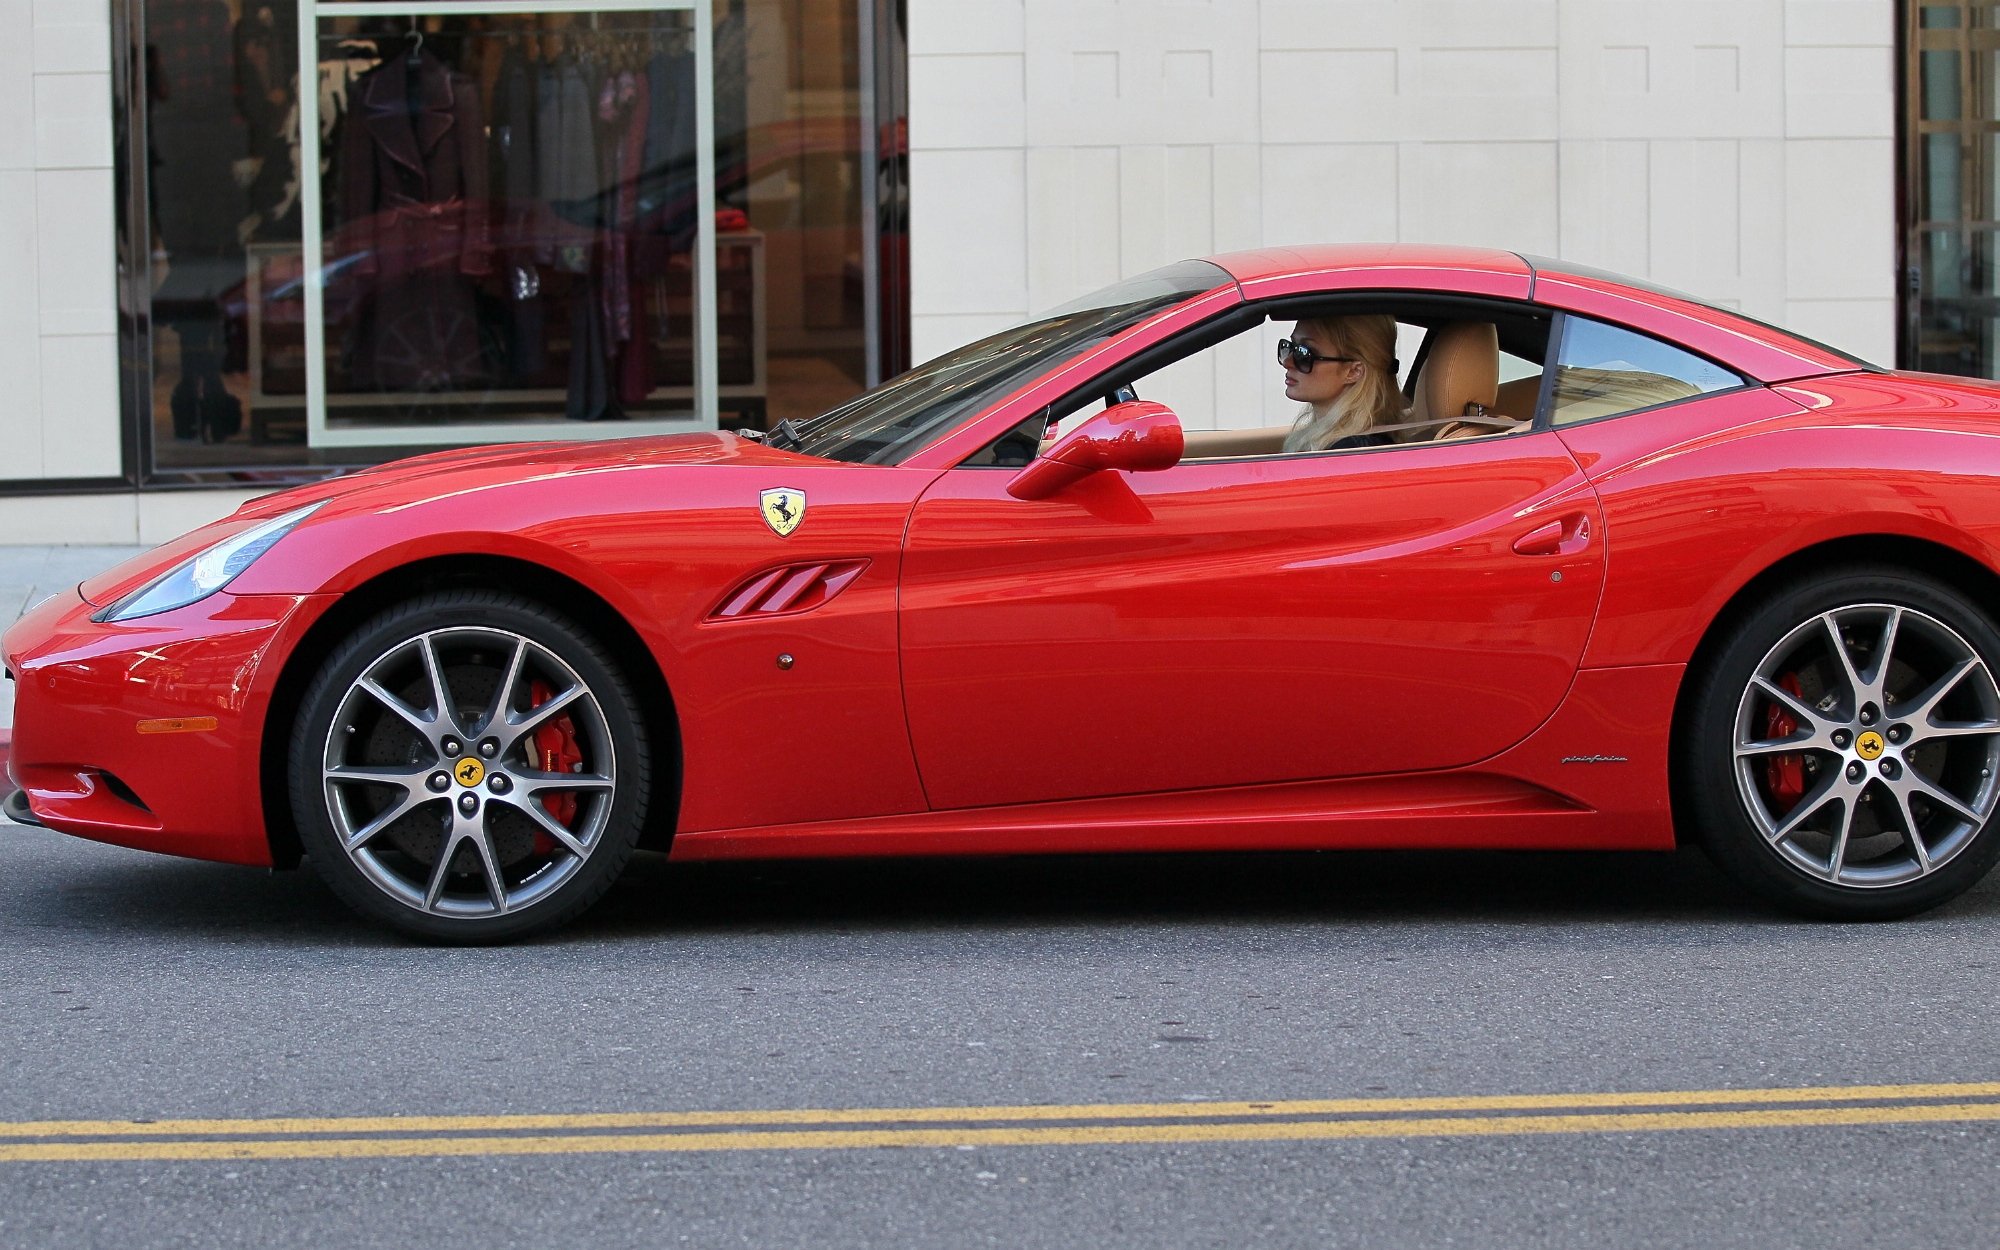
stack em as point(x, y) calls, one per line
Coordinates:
point(556, 751)
point(1786, 774)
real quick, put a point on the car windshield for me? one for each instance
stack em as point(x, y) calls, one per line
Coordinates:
point(894, 420)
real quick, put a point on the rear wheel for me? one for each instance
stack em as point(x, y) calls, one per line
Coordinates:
point(1843, 746)
point(468, 767)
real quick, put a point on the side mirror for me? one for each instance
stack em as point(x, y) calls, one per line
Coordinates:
point(1137, 436)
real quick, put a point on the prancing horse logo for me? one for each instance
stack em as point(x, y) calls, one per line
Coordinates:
point(783, 509)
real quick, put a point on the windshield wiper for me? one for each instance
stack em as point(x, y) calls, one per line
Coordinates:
point(787, 435)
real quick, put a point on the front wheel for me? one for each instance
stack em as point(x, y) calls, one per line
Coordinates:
point(1842, 747)
point(469, 766)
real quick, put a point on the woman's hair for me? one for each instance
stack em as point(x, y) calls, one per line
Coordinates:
point(1371, 401)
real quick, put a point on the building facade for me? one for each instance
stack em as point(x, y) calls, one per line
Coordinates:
point(680, 231)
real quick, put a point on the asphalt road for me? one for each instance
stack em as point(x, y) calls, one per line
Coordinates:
point(136, 987)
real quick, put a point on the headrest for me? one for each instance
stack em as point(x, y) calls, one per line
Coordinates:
point(1462, 367)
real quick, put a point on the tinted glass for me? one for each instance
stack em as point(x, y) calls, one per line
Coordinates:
point(893, 420)
point(1605, 370)
point(507, 204)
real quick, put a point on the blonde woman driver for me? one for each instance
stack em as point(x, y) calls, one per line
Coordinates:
point(1344, 370)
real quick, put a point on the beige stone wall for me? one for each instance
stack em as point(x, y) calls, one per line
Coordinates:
point(58, 326)
point(1739, 149)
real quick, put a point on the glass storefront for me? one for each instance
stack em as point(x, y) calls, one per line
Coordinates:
point(491, 220)
point(1951, 187)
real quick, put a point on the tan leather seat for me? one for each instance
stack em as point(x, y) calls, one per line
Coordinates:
point(1518, 398)
point(1462, 367)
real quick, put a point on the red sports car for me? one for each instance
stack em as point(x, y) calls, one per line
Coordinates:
point(1635, 570)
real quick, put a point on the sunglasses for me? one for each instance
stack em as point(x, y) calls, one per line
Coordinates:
point(1302, 357)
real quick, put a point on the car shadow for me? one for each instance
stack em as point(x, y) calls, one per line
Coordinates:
point(656, 899)
point(1381, 889)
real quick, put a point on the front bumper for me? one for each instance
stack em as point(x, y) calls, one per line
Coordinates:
point(148, 733)
point(15, 808)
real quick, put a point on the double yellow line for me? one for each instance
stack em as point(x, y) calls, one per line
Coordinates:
point(364, 1137)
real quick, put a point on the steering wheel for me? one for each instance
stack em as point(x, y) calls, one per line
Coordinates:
point(1124, 394)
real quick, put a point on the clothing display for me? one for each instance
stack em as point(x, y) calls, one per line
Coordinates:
point(413, 167)
point(473, 236)
point(505, 208)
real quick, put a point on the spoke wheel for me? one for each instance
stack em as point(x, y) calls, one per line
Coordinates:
point(469, 767)
point(1897, 743)
point(1843, 749)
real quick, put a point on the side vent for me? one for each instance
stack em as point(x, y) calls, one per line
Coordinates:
point(793, 588)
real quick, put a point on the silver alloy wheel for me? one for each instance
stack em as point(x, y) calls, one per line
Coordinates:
point(433, 781)
point(1887, 723)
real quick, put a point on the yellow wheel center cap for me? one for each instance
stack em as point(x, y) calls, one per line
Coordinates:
point(1869, 746)
point(470, 772)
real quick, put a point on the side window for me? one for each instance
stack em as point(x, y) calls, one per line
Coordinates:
point(1236, 397)
point(1605, 370)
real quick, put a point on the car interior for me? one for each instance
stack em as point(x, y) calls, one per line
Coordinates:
point(1478, 373)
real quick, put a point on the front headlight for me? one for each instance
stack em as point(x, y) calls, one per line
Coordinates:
point(198, 578)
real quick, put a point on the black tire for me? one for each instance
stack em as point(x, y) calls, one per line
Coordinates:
point(504, 874)
point(1739, 810)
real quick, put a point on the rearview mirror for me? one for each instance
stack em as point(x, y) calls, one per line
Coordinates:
point(1137, 436)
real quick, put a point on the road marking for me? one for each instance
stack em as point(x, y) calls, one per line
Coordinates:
point(981, 1114)
point(1356, 1118)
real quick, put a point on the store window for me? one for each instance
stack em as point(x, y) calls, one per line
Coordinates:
point(584, 220)
point(1951, 187)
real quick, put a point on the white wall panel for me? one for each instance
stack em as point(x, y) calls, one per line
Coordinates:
point(1714, 68)
point(1863, 327)
point(17, 85)
point(1131, 64)
point(1734, 148)
point(20, 330)
point(969, 238)
point(76, 228)
point(1836, 193)
point(981, 103)
point(1316, 192)
point(1835, 93)
point(72, 47)
point(1330, 95)
point(72, 121)
point(966, 26)
point(1840, 23)
point(58, 348)
point(87, 365)
point(1073, 223)
point(1606, 195)
point(1484, 194)
point(1238, 209)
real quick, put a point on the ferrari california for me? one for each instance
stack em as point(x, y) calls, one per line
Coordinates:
point(1638, 571)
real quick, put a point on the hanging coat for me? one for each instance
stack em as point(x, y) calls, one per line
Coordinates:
point(413, 178)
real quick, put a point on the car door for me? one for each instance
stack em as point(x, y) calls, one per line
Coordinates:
point(1236, 622)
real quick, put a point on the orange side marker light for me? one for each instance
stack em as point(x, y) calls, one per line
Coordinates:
point(179, 725)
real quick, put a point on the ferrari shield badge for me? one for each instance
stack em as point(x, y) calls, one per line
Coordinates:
point(783, 509)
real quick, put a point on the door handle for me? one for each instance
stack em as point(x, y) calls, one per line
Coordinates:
point(1564, 537)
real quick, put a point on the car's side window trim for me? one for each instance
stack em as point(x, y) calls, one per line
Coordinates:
point(1558, 339)
point(1545, 402)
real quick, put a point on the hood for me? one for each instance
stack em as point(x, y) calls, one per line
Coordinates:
point(488, 464)
point(440, 473)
